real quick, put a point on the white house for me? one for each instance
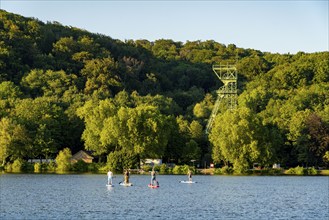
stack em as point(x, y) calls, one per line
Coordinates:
point(151, 162)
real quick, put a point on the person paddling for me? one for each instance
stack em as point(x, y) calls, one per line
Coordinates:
point(153, 177)
point(109, 177)
point(189, 174)
point(126, 174)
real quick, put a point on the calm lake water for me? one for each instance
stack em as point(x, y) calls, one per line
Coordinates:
point(47, 196)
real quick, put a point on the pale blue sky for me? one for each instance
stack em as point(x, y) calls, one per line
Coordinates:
point(274, 26)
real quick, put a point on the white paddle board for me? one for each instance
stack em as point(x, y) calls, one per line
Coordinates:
point(187, 181)
point(126, 184)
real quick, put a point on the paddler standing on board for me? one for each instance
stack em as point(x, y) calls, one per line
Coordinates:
point(109, 177)
point(126, 174)
point(189, 174)
point(153, 177)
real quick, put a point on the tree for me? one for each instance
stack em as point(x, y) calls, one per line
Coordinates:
point(48, 83)
point(123, 159)
point(166, 49)
point(326, 158)
point(191, 151)
point(203, 108)
point(9, 94)
point(95, 114)
point(141, 130)
point(44, 120)
point(256, 96)
point(63, 160)
point(177, 139)
point(312, 140)
point(63, 51)
point(252, 66)
point(13, 140)
point(238, 137)
point(8, 90)
point(101, 76)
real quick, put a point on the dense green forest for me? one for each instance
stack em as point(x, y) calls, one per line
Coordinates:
point(63, 87)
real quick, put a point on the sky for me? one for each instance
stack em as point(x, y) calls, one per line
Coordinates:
point(269, 26)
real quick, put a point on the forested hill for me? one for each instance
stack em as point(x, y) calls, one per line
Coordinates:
point(64, 87)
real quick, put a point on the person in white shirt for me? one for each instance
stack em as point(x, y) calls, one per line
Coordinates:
point(109, 177)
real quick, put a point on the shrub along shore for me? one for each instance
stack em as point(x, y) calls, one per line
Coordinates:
point(21, 166)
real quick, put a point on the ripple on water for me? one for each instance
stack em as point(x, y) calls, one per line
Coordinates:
point(26, 196)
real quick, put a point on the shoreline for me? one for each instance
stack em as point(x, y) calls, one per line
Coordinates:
point(210, 172)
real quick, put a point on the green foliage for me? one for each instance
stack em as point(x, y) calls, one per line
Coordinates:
point(80, 166)
point(324, 172)
point(302, 171)
point(265, 171)
point(225, 170)
point(240, 138)
point(312, 171)
point(142, 129)
point(37, 167)
point(102, 77)
point(63, 160)
point(44, 167)
point(252, 66)
point(51, 166)
point(191, 151)
point(48, 83)
point(182, 169)
point(13, 138)
point(163, 169)
point(117, 161)
point(60, 85)
point(146, 168)
point(156, 168)
point(218, 171)
point(293, 171)
point(8, 90)
point(326, 158)
point(18, 165)
point(178, 170)
point(203, 108)
point(275, 171)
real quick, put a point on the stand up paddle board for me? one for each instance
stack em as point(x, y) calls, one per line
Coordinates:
point(126, 184)
point(110, 185)
point(153, 186)
point(187, 181)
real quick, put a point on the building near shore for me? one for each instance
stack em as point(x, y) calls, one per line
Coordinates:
point(151, 162)
point(82, 155)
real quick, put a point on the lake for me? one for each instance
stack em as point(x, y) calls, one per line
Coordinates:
point(51, 196)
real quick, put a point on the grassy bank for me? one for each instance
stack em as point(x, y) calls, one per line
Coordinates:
point(299, 171)
point(324, 172)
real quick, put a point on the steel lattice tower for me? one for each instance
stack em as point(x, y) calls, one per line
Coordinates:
point(228, 93)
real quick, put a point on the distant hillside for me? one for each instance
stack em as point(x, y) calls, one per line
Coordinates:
point(60, 84)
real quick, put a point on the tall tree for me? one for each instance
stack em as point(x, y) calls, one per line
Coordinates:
point(13, 140)
point(238, 137)
point(101, 76)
